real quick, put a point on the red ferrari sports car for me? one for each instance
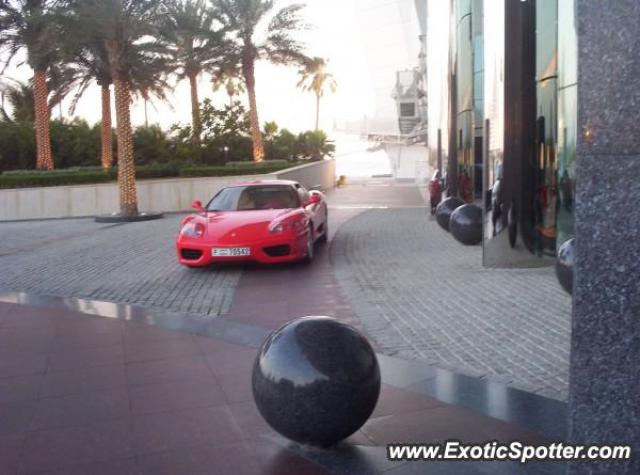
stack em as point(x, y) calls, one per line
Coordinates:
point(264, 221)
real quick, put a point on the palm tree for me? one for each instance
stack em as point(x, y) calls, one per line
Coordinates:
point(149, 80)
point(128, 31)
point(21, 97)
point(260, 33)
point(315, 78)
point(87, 61)
point(229, 76)
point(26, 25)
point(195, 44)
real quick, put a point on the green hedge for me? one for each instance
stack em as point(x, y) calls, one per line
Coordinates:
point(89, 175)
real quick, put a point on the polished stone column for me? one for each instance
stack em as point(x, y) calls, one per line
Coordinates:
point(605, 359)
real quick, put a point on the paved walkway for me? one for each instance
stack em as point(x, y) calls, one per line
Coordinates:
point(81, 393)
point(133, 263)
point(417, 292)
point(420, 294)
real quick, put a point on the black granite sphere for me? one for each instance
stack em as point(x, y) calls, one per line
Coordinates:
point(466, 224)
point(316, 380)
point(565, 264)
point(444, 210)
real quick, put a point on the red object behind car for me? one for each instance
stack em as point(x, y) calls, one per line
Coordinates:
point(263, 221)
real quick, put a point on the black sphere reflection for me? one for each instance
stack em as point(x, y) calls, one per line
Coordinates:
point(466, 224)
point(565, 264)
point(445, 209)
point(316, 381)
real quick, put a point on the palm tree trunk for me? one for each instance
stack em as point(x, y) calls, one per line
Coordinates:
point(126, 166)
point(107, 136)
point(44, 160)
point(256, 135)
point(317, 112)
point(146, 112)
point(196, 122)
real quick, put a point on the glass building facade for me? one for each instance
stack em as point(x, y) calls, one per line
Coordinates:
point(502, 119)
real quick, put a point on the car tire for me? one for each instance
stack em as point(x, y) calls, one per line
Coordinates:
point(308, 259)
point(325, 234)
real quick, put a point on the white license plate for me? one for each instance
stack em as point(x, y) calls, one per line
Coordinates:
point(231, 251)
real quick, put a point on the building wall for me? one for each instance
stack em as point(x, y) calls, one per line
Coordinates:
point(501, 94)
point(438, 82)
point(567, 135)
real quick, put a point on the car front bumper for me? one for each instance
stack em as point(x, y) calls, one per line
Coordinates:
point(194, 252)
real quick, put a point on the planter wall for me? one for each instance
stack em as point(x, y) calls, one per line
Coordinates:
point(157, 196)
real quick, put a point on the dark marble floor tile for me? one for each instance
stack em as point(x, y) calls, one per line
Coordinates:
point(57, 448)
point(226, 359)
point(21, 388)
point(81, 409)
point(172, 370)
point(16, 417)
point(160, 350)
point(162, 397)
point(4, 310)
point(79, 342)
point(29, 317)
point(236, 386)
point(476, 468)
point(234, 459)
point(87, 358)
point(135, 333)
point(83, 380)
point(125, 466)
point(249, 419)
point(224, 367)
point(440, 424)
point(82, 325)
point(278, 460)
point(182, 429)
point(22, 365)
point(10, 454)
point(396, 401)
point(537, 413)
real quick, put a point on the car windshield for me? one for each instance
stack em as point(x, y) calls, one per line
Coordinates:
point(247, 198)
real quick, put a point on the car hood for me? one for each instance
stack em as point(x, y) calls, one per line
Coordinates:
point(231, 227)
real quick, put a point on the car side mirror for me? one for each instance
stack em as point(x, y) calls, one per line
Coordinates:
point(313, 199)
point(197, 204)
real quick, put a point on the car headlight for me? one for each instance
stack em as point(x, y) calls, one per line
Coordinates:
point(195, 230)
point(282, 227)
point(277, 228)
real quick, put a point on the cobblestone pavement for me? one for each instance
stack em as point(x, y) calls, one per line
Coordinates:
point(419, 294)
point(132, 263)
point(422, 295)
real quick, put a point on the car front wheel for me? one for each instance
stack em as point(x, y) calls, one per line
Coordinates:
point(308, 258)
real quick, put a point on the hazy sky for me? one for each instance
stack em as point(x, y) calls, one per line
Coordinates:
point(366, 41)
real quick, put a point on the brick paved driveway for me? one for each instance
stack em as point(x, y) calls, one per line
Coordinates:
point(133, 263)
point(422, 295)
point(417, 292)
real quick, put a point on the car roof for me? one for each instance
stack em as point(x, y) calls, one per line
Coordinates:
point(264, 182)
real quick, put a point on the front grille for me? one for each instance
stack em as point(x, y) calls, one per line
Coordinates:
point(278, 251)
point(191, 254)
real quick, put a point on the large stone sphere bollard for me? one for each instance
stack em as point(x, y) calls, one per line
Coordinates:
point(465, 224)
point(565, 264)
point(445, 209)
point(316, 381)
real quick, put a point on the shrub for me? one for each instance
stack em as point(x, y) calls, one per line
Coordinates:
point(82, 176)
point(17, 146)
point(74, 143)
point(151, 145)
